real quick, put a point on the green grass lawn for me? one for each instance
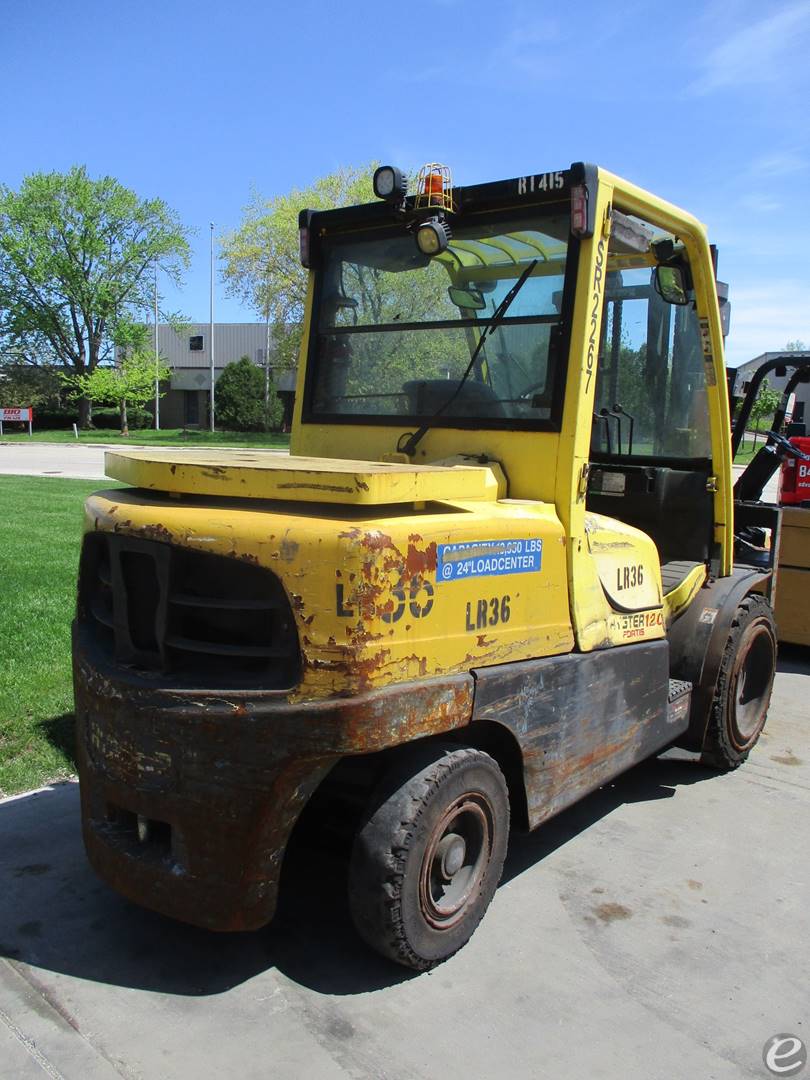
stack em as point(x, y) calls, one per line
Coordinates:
point(40, 532)
point(748, 448)
point(164, 437)
point(745, 453)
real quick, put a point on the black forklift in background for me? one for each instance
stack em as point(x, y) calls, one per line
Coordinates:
point(775, 536)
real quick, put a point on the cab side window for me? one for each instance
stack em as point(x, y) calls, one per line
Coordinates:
point(650, 398)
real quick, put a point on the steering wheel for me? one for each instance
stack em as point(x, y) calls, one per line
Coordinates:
point(530, 389)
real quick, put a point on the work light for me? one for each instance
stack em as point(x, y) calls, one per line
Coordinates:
point(433, 236)
point(390, 184)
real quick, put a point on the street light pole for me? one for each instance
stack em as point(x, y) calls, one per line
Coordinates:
point(211, 331)
point(267, 358)
point(157, 359)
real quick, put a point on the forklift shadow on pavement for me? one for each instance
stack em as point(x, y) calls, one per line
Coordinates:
point(55, 915)
point(657, 778)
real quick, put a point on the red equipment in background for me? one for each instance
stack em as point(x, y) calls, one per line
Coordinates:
point(794, 480)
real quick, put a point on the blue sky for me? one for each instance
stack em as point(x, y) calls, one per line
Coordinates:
point(704, 103)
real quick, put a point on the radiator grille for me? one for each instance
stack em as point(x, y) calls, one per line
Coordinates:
point(205, 620)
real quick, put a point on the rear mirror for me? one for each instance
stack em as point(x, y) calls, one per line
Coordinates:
point(670, 284)
point(471, 299)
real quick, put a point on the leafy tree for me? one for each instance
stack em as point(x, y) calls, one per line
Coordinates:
point(379, 364)
point(240, 399)
point(263, 269)
point(131, 382)
point(77, 258)
point(262, 264)
point(765, 404)
point(25, 384)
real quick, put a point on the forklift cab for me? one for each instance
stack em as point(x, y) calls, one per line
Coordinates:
point(651, 452)
point(597, 391)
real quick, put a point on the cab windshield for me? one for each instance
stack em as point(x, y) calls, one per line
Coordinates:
point(394, 330)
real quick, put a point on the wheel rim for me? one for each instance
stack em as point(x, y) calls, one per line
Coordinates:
point(751, 686)
point(456, 859)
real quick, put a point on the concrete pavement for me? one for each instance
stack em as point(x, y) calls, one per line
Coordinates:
point(659, 929)
point(84, 461)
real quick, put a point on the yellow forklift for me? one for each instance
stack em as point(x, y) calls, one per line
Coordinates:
point(496, 570)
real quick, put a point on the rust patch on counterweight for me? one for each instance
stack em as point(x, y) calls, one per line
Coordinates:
point(420, 561)
point(146, 532)
point(377, 541)
point(224, 777)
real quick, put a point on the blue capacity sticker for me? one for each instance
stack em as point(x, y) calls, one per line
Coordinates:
point(488, 558)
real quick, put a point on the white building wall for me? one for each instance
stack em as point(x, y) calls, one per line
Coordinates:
point(191, 368)
point(232, 341)
point(745, 373)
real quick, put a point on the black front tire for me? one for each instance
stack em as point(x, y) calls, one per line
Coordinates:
point(429, 854)
point(744, 685)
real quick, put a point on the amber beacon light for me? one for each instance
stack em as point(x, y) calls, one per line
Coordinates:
point(434, 191)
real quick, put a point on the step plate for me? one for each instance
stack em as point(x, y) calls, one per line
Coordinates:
point(679, 702)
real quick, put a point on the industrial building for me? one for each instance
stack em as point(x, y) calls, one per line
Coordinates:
point(188, 355)
point(777, 380)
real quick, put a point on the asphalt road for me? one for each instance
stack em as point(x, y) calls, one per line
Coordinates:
point(658, 930)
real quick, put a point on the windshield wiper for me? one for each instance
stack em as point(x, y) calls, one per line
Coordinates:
point(415, 437)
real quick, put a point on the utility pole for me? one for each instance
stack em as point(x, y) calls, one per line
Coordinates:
point(267, 359)
point(211, 331)
point(157, 359)
point(267, 347)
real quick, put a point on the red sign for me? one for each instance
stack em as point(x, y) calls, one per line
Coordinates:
point(795, 480)
point(26, 415)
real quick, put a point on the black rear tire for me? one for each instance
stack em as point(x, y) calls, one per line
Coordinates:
point(744, 685)
point(429, 854)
